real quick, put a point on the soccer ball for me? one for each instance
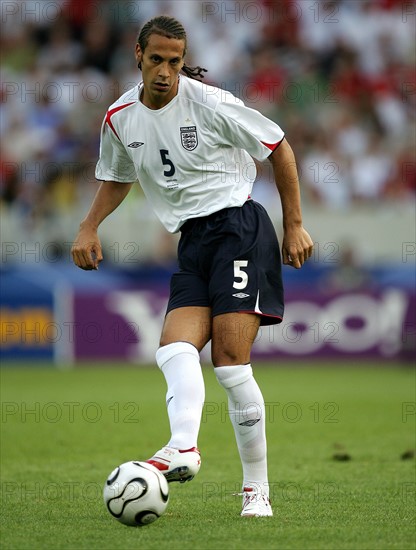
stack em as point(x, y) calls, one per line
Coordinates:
point(136, 493)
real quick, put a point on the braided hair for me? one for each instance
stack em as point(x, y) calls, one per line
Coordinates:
point(171, 28)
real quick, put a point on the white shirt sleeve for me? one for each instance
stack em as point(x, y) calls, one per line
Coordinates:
point(239, 126)
point(114, 164)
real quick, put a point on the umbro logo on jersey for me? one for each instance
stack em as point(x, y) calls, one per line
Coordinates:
point(189, 137)
point(135, 144)
point(241, 295)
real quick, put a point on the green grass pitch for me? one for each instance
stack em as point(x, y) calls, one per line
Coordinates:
point(62, 432)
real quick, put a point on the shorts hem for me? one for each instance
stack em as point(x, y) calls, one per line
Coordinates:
point(172, 307)
point(266, 318)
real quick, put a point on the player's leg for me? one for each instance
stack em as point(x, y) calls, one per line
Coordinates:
point(246, 290)
point(187, 324)
point(232, 337)
point(185, 332)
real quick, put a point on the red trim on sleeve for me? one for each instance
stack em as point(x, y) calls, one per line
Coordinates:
point(111, 112)
point(273, 146)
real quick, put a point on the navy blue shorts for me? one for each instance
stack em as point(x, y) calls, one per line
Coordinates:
point(230, 261)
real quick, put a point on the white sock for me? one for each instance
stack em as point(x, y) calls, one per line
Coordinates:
point(247, 414)
point(185, 396)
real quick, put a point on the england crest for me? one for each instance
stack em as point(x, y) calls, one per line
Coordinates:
point(189, 137)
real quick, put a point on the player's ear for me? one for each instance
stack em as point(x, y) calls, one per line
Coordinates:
point(139, 55)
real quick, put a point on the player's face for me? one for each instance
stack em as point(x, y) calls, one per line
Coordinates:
point(161, 62)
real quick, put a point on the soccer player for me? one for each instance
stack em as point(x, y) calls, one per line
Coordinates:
point(191, 146)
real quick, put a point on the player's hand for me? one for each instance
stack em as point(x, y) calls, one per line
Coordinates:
point(297, 246)
point(86, 250)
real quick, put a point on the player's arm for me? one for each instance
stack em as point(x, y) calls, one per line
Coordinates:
point(86, 250)
point(297, 245)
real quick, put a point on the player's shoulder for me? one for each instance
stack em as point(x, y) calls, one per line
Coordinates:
point(126, 99)
point(207, 95)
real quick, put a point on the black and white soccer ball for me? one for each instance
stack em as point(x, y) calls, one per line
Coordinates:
point(136, 493)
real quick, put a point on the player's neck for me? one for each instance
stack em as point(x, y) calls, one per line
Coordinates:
point(156, 102)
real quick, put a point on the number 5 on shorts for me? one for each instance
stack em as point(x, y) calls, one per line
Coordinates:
point(240, 274)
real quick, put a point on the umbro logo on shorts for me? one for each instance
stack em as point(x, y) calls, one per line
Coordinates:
point(241, 295)
point(135, 144)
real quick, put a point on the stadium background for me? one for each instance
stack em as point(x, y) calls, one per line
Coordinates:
point(337, 76)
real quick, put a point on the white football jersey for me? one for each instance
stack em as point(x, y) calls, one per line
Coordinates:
point(192, 157)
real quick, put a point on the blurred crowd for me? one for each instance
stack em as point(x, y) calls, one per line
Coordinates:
point(338, 77)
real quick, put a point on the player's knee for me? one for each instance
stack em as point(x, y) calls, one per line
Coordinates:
point(228, 357)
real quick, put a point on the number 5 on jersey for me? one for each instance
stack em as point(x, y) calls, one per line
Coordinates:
point(240, 276)
point(167, 162)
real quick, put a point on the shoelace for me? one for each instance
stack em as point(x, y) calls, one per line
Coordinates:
point(245, 491)
point(251, 495)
